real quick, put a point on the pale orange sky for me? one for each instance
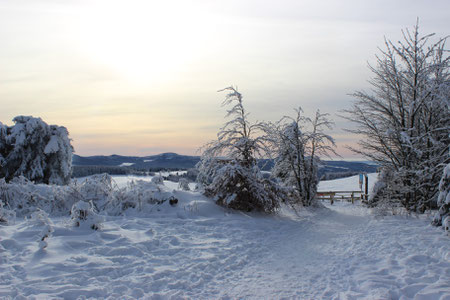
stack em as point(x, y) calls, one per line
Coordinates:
point(140, 77)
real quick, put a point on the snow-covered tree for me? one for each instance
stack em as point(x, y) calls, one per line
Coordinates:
point(228, 168)
point(58, 152)
point(405, 118)
point(442, 217)
point(297, 143)
point(35, 150)
point(3, 147)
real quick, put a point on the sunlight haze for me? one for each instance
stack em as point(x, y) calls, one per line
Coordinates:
point(141, 77)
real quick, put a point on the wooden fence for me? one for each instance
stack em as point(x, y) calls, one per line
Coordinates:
point(349, 196)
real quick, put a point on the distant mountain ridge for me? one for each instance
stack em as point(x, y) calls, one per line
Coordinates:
point(177, 161)
point(163, 160)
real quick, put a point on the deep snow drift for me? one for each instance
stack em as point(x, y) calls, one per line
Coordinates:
point(199, 250)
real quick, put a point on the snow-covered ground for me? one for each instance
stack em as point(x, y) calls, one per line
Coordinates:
point(122, 180)
point(198, 250)
point(346, 184)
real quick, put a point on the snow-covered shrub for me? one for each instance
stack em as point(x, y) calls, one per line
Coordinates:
point(107, 197)
point(242, 188)
point(83, 215)
point(98, 189)
point(139, 195)
point(385, 195)
point(35, 150)
point(446, 224)
point(40, 218)
point(382, 191)
point(24, 197)
point(442, 217)
point(183, 184)
point(7, 216)
point(192, 174)
point(157, 179)
point(228, 168)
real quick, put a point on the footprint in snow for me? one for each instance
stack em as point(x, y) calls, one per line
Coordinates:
point(10, 245)
point(150, 232)
point(174, 241)
point(78, 259)
point(109, 236)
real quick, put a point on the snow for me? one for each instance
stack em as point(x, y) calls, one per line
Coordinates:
point(346, 184)
point(123, 180)
point(52, 146)
point(199, 250)
point(126, 164)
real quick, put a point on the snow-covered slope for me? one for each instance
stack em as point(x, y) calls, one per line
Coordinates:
point(198, 250)
point(346, 184)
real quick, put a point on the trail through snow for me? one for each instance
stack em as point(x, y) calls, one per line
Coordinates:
point(198, 250)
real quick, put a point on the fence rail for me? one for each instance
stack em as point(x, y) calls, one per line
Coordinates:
point(349, 196)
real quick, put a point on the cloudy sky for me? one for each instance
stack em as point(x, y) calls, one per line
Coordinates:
point(141, 77)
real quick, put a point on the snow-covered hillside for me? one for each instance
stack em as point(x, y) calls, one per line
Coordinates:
point(346, 184)
point(198, 250)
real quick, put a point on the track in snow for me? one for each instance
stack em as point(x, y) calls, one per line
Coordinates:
point(198, 250)
point(341, 252)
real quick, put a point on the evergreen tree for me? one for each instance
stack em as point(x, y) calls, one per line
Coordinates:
point(35, 150)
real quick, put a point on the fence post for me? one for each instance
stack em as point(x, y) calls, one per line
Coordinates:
point(366, 187)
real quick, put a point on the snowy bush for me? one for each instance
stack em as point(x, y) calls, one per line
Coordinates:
point(405, 118)
point(139, 195)
point(442, 217)
point(385, 197)
point(98, 189)
point(106, 197)
point(157, 179)
point(228, 168)
point(83, 215)
point(24, 197)
point(40, 218)
point(7, 216)
point(183, 184)
point(242, 188)
point(35, 150)
point(446, 224)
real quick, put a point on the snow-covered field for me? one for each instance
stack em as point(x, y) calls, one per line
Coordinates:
point(346, 184)
point(198, 250)
point(122, 180)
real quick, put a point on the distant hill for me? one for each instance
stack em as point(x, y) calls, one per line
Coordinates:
point(173, 161)
point(160, 161)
